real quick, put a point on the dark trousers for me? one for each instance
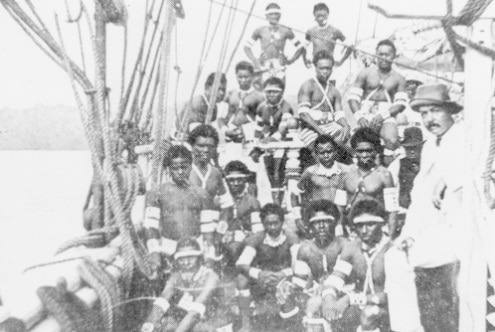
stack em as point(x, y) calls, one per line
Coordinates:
point(437, 298)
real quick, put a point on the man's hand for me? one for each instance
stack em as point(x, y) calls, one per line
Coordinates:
point(308, 63)
point(363, 123)
point(332, 310)
point(338, 63)
point(156, 262)
point(376, 122)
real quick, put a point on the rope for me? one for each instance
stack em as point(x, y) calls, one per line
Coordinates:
point(241, 36)
point(337, 42)
point(487, 176)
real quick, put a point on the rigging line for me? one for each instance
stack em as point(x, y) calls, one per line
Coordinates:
point(124, 62)
point(241, 36)
point(177, 68)
point(213, 35)
point(337, 42)
point(231, 29)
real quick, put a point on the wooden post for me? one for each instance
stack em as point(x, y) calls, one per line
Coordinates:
point(477, 240)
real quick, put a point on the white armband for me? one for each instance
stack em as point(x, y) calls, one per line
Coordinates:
point(152, 217)
point(357, 299)
point(299, 282)
point(391, 199)
point(292, 313)
point(356, 94)
point(168, 246)
point(401, 98)
point(239, 236)
point(254, 273)
point(148, 327)
point(296, 212)
point(255, 217)
point(226, 200)
point(153, 246)
point(198, 308)
point(222, 227)
point(339, 115)
point(258, 227)
point(207, 216)
point(162, 303)
point(343, 267)
point(340, 197)
point(304, 107)
point(335, 282)
point(302, 269)
point(298, 44)
point(247, 256)
point(209, 227)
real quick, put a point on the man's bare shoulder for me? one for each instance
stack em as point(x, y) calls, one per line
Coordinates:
point(350, 249)
point(255, 240)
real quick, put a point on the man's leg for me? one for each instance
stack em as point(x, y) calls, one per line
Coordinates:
point(243, 294)
point(390, 135)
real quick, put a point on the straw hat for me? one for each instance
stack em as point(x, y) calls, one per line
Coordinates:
point(434, 94)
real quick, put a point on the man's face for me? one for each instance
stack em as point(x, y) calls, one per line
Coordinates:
point(203, 149)
point(369, 232)
point(273, 94)
point(189, 263)
point(180, 169)
point(221, 92)
point(244, 78)
point(273, 225)
point(411, 88)
point(325, 153)
point(273, 18)
point(366, 155)
point(237, 183)
point(323, 230)
point(413, 152)
point(437, 119)
point(321, 17)
point(324, 69)
point(387, 55)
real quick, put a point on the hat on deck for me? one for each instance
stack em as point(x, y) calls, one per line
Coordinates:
point(413, 136)
point(434, 94)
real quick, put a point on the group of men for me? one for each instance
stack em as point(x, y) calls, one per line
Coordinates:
point(331, 262)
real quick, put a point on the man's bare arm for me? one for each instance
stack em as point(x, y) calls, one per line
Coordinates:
point(391, 202)
point(400, 97)
point(304, 102)
point(356, 92)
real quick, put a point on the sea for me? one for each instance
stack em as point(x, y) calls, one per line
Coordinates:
point(42, 193)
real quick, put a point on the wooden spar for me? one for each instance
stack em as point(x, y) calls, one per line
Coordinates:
point(27, 307)
point(160, 104)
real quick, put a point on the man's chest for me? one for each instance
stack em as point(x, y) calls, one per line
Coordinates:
point(181, 201)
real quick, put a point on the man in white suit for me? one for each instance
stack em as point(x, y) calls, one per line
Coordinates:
point(434, 219)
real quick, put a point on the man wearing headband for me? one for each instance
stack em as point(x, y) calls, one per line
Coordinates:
point(379, 95)
point(174, 210)
point(196, 112)
point(320, 254)
point(323, 37)
point(320, 107)
point(368, 179)
point(246, 210)
point(240, 100)
point(264, 262)
point(361, 262)
point(272, 38)
point(323, 180)
point(191, 300)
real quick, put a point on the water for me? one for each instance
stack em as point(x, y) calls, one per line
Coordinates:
point(41, 198)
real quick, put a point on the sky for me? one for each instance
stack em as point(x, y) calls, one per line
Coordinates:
point(28, 77)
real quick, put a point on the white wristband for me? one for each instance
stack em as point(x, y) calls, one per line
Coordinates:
point(287, 272)
point(197, 307)
point(254, 273)
point(153, 246)
point(162, 303)
point(222, 227)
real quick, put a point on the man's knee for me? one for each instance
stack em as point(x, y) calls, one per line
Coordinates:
point(313, 306)
point(371, 317)
point(390, 135)
point(242, 282)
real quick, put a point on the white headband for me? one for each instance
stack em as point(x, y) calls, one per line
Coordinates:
point(273, 11)
point(188, 253)
point(273, 89)
point(319, 218)
point(236, 176)
point(365, 218)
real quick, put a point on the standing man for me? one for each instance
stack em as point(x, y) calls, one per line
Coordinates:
point(324, 37)
point(320, 107)
point(378, 95)
point(434, 219)
point(273, 61)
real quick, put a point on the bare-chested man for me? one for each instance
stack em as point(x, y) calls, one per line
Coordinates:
point(197, 111)
point(367, 179)
point(323, 37)
point(272, 38)
point(362, 261)
point(173, 211)
point(320, 108)
point(378, 95)
point(239, 100)
point(325, 180)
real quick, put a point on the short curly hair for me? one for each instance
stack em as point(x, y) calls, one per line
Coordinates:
point(203, 130)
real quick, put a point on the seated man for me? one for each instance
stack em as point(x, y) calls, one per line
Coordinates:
point(239, 99)
point(320, 254)
point(323, 37)
point(264, 262)
point(272, 61)
point(174, 210)
point(246, 209)
point(385, 96)
point(368, 179)
point(361, 262)
point(195, 113)
point(320, 108)
point(324, 180)
point(192, 299)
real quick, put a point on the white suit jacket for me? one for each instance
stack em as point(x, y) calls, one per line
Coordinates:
point(436, 232)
